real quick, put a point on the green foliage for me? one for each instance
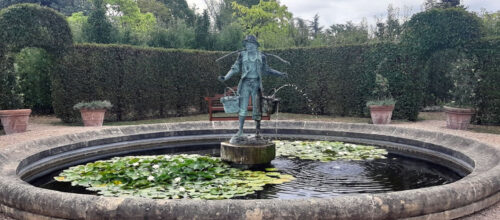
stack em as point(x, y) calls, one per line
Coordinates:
point(10, 94)
point(152, 83)
point(169, 177)
point(36, 26)
point(349, 33)
point(178, 35)
point(327, 151)
point(268, 20)
point(33, 67)
point(440, 29)
point(98, 29)
point(463, 75)
point(488, 89)
point(76, 22)
point(93, 105)
point(491, 23)
point(201, 31)
point(134, 26)
point(180, 10)
point(229, 38)
point(67, 7)
point(161, 11)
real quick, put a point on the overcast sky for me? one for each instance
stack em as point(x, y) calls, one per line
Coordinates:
point(341, 11)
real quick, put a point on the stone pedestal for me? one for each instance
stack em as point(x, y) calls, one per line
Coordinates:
point(247, 156)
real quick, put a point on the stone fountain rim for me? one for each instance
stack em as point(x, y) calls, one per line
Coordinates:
point(476, 191)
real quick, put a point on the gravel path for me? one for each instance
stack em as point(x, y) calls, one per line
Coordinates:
point(43, 127)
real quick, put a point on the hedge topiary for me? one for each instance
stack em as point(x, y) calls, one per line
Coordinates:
point(488, 90)
point(27, 25)
point(440, 29)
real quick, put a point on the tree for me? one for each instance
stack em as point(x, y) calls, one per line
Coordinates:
point(67, 7)
point(315, 28)
point(391, 29)
point(491, 23)
point(300, 32)
point(134, 26)
point(229, 38)
point(202, 34)
point(450, 3)
point(76, 22)
point(268, 20)
point(180, 10)
point(98, 29)
point(178, 35)
point(348, 33)
point(161, 12)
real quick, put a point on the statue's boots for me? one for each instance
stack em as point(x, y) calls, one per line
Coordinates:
point(240, 129)
point(257, 129)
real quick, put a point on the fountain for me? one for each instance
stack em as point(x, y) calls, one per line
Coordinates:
point(470, 170)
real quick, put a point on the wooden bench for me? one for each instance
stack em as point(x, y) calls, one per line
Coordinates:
point(214, 106)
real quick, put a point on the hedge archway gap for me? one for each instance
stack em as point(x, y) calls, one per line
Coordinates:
point(23, 26)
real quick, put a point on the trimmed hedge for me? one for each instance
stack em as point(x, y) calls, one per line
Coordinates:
point(35, 26)
point(488, 91)
point(148, 83)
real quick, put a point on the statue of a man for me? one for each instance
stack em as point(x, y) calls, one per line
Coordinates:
point(252, 65)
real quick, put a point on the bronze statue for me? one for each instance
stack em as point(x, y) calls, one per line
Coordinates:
point(252, 65)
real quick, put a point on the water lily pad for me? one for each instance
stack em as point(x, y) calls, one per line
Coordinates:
point(325, 151)
point(169, 177)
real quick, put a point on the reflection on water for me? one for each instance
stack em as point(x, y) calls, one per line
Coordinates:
point(316, 179)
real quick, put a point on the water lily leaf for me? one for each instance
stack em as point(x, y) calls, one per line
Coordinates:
point(273, 174)
point(271, 169)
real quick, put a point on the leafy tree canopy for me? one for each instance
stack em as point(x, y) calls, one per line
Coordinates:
point(268, 19)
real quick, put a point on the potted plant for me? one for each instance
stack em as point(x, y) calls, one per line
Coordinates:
point(460, 110)
point(382, 104)
point(14, 119)
point(93, 112)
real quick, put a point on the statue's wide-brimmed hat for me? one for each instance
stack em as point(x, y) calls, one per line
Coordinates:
point(251, 39)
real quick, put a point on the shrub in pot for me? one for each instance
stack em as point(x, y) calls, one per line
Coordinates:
point(382, 104)
point(14, 118)
point(464, 77)
point(93, 112)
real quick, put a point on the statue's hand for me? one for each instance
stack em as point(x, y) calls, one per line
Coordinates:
point(221, 78)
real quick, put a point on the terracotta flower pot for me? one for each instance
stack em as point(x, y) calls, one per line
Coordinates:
point(15, 121)
point(458, 118)
point(381, 114)
point(93, 117)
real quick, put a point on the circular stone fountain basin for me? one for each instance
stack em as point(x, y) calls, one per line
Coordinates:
point(478, 190)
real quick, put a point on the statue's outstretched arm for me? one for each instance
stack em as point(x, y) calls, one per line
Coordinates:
point(269, 70)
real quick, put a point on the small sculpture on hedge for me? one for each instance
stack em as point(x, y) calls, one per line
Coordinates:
point(93, 112)
point(382, 104)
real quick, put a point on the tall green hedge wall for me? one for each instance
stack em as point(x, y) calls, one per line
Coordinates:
point(148, 83)
point(488, 92)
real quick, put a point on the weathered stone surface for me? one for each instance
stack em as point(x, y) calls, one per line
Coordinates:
point(248, 155)
point(476, 191)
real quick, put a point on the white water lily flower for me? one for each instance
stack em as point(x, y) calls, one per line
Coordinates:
point(135, 164)
point(156, 166)
point(151, 178)
point(182, 189)
point(176, 180)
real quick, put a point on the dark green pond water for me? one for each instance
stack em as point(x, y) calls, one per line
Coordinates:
point(316, 179)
